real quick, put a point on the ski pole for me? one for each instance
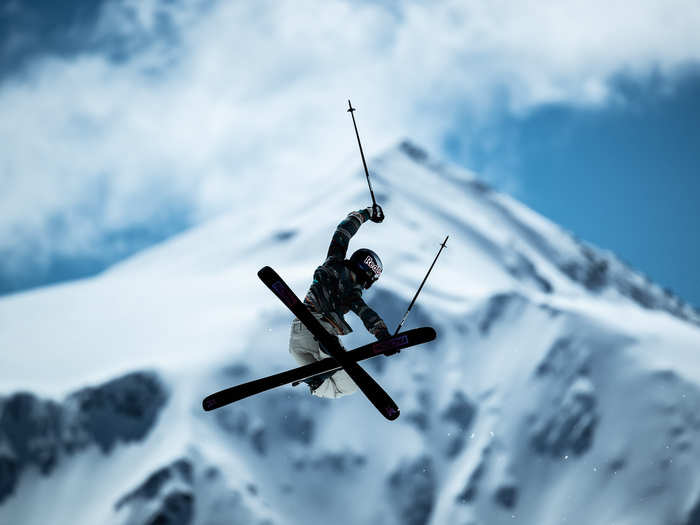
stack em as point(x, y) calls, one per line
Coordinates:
point(362, 154)
point(421, 286)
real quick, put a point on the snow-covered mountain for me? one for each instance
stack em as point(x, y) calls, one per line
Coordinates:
point(563, 387)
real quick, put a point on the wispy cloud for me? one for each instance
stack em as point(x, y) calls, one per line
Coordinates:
point(175, 102)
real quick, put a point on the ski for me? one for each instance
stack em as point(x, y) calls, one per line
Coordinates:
point(369, 387)
point(386, 347)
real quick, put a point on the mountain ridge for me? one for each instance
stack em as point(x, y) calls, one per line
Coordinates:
point(529, 405)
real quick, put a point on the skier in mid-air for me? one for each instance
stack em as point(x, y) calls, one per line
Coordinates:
point(336, 289)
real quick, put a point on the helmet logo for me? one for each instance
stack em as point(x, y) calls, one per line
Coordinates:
point(375, 268)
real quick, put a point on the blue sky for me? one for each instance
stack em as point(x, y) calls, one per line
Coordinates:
point(123, 122)
point(625, 177)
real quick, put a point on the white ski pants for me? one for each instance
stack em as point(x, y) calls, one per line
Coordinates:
point(305, 349)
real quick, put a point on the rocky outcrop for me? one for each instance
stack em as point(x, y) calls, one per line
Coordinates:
point(275, 415)
point(38, 433)
point(471, 487)
point(164, 498)
point(568, 425)
point(694, 514)
point(497, 308)
point(568, 429)
point(460, 413)
point(506, 496)
point(412, 489)
point(597, 270)
point(123, 409)
point(522, 268)
point(191, 490)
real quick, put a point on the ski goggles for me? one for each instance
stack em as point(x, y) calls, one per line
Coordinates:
point(368, 274)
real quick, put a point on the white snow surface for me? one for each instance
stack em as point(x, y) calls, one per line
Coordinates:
point(546, 399)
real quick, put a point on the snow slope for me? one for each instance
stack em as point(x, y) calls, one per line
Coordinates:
point(563, 386)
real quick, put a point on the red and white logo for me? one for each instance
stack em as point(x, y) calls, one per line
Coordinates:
point(376, 269)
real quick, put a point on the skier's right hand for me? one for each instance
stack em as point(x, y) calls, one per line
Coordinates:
point(376, 214)
point(383, 334)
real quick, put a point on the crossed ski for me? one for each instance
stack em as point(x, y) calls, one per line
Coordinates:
point(340, 359)
point(389, 346)
point(330, 345)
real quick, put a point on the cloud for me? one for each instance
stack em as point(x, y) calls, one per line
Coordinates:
point(174, 102)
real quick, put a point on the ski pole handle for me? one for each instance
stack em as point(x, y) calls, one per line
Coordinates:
point(352, 110)
point(377, 213)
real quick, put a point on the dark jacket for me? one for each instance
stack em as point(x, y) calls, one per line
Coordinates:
point(333, 292)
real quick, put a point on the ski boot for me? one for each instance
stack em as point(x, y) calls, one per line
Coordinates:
point(316, 381)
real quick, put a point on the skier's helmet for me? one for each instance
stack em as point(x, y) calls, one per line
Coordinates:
point(367, 266)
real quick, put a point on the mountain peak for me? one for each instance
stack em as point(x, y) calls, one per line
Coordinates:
point(552, 358)
point(414, 151)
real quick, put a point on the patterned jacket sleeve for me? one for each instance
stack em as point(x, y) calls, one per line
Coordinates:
point(345, 230)
point(374, 324)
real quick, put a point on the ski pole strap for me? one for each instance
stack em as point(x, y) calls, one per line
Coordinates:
point(405, 316)
point(352, 110)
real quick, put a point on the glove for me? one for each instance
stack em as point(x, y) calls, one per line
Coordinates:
point(384, 334)
point(376, 214)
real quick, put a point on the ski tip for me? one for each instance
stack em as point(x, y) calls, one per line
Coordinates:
point(207, 404)
point(267, 274)
point(265, 270)
point(427, 332)
point(391, 412)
